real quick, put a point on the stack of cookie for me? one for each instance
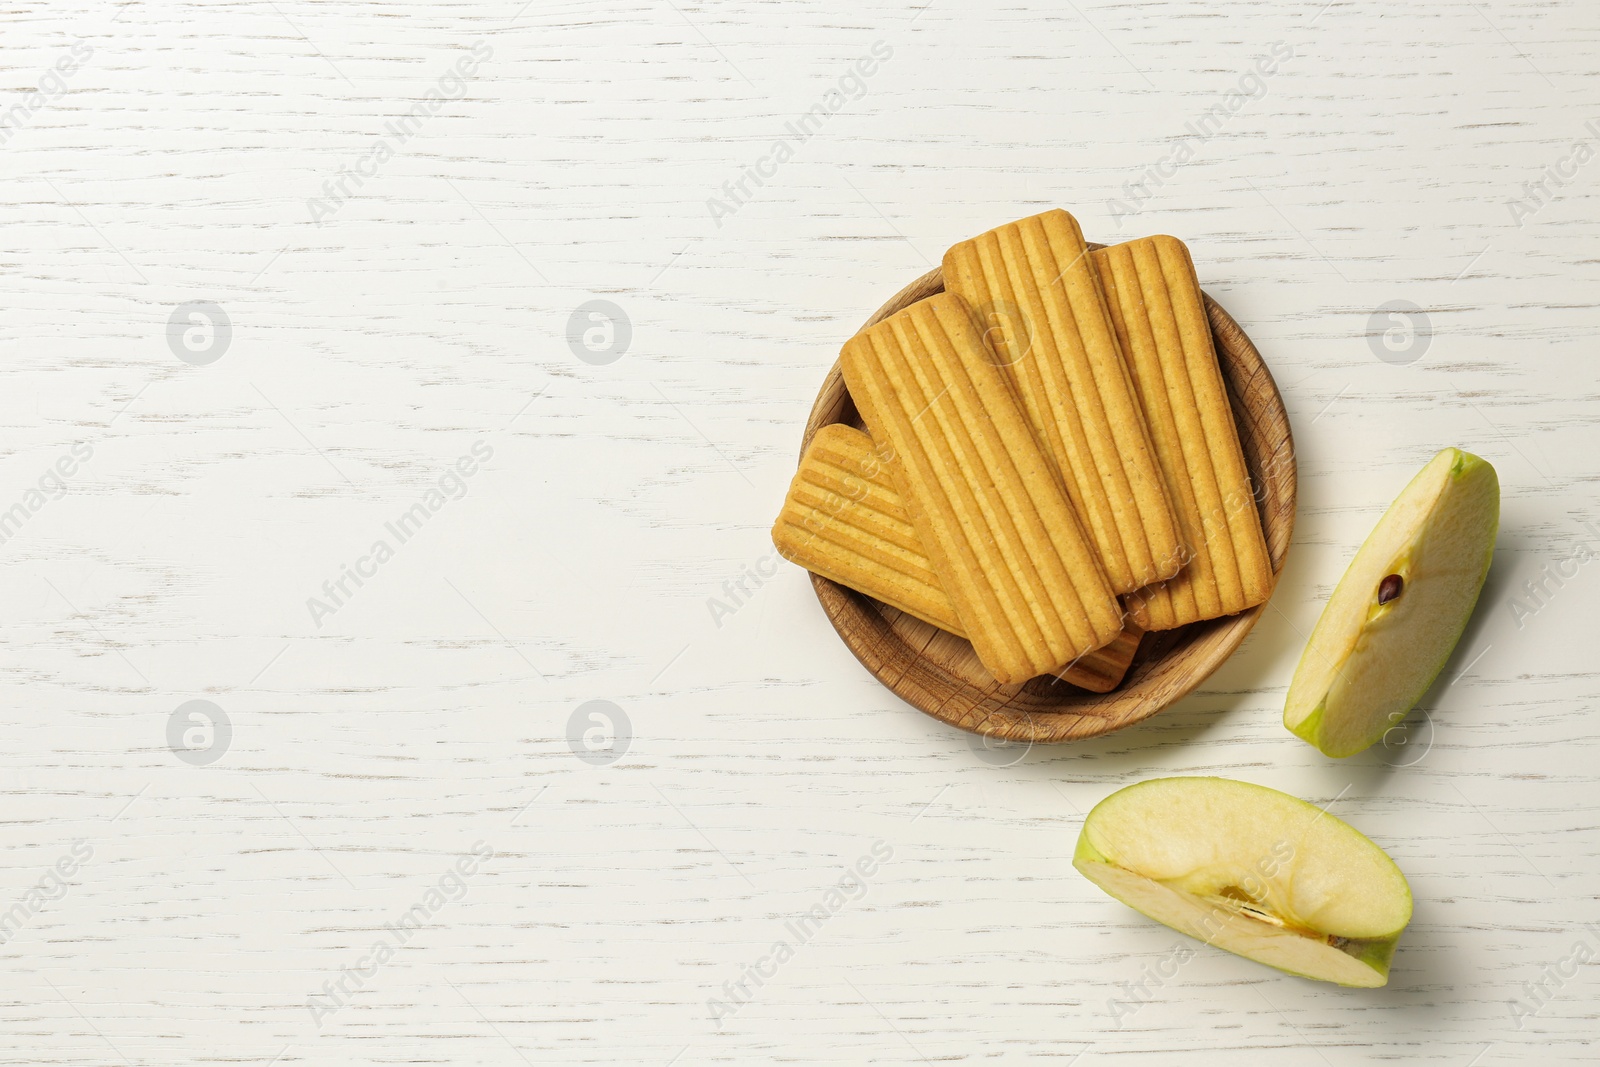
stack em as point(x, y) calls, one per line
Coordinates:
point(1050, 466)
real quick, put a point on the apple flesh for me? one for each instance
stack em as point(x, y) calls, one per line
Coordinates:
point(1400, 608)
point(1251, 870)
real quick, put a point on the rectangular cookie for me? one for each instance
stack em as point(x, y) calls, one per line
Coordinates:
point(1039, 300)
point(843, 519)
point(1155, 302)
point(983, 498)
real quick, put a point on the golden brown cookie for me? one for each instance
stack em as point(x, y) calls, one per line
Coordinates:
point(843, 519)
point(1039, 299)
point(985, 501)
point(1161, 323)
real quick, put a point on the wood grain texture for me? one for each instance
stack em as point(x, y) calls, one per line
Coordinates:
point(938, 673)
point(599, 554)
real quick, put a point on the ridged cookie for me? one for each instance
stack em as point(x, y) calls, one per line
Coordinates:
point(1040, 302)
point(843, 519)
point(1155, 303)
point(985, 501)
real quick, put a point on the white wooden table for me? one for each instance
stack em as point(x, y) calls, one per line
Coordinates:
point(401, 207)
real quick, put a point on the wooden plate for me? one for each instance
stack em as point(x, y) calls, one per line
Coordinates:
point(938, 673)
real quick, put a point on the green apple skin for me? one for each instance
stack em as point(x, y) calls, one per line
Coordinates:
point(1367, 664)
point(1326, 903)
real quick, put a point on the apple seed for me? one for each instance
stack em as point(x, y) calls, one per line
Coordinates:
point(1390, 588)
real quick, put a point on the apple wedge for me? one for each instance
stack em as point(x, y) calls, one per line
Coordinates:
point(1253, 871)
point(1400, 608)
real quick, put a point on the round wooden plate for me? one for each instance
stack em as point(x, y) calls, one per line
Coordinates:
point(938, 673)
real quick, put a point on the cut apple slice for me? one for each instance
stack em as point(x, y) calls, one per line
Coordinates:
point(1253, 871)
point(1400, 608)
